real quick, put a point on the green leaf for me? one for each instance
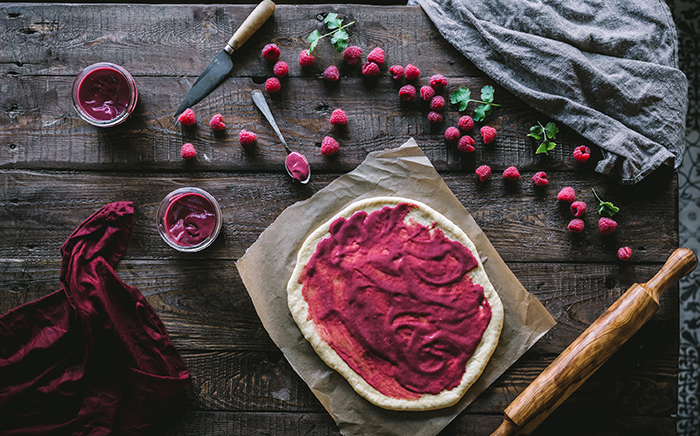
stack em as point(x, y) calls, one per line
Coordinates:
point(545, 147)
point(605, 207)
point(481, 111)
point(551, 130)
point(536, 132)
point(340, 45)
point(313, 44)
point(487, 93)
point(461, 97)
point(339, 35)
point(313, 39)
point(332, 21)
point(544, 134)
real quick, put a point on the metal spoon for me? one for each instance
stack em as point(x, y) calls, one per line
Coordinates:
point(295, 163)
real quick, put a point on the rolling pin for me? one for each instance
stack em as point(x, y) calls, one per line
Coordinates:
point(593, 348)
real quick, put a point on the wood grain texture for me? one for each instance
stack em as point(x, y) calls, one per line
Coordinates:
point(518, 218)
point(55, 170)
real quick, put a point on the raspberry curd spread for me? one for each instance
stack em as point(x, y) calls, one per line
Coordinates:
point(104, 94)
point(297, 166)
point(394, 299)
point(190, 219)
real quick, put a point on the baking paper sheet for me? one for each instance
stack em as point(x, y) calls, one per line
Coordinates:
point(267, 266)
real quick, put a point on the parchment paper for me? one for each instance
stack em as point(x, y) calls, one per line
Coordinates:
point(268, 263)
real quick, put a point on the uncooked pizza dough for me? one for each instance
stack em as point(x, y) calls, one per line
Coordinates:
point(393, 296)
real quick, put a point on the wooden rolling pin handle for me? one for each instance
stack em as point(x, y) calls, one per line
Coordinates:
point(681, 262)
point(592, 348)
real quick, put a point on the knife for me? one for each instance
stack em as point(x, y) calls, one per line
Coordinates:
point(218, 69)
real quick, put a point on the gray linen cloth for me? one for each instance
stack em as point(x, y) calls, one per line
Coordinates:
point(606, 68)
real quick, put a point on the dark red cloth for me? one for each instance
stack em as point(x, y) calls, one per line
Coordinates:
point(92, 358)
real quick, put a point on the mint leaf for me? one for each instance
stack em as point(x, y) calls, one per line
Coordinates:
point(606, 208)
point(487, 93)
point(544, 134)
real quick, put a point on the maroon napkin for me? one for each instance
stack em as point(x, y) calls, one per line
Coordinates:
point(93, 357)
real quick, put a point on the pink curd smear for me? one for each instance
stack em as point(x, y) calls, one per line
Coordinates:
point(190, 219)
point(104, 94)
point(395, 300)
point(298, 166)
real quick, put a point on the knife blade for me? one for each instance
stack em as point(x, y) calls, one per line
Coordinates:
point(219, 68)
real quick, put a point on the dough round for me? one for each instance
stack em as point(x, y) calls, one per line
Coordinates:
point(406, 394)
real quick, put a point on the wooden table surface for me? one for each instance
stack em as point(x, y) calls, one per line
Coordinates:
point(55, 170)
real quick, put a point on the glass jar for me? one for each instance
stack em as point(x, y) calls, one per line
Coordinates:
point(104, 94)
point(189, 219)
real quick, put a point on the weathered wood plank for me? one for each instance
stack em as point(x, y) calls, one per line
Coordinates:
point(181, 40)
point(205, 306)
point(39, 129)
point(575, 423)
point(630, 384)
point(40, 210)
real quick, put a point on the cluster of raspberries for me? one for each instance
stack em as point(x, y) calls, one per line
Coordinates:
point(606, 225)
point(189, 119)
point(280, 69)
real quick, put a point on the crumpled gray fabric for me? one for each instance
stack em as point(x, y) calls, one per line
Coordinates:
point(606, 68)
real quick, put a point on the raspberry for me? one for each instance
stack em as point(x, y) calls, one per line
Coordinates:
point(306, 59)
point(339, 117)
point(217, 122)
point(438, 81)
point(370, 69)
point(606, 225)
point(488, 134)
point(273, 85)
point(329, 146)
point(567, 194)
point(281, 69)
point(376, 56)
point(578, 208)
point(540, 179)
point(407, 92)
point(331, 74)
point(582, 153)
point(576, 225)
point(624, 253)
point(484, 172)
point(187, 118)
point(511, 174)
point(411, 72)
point(271, 52)
point(427, 93)
point(466, 123)
point(247, 139)
point(452, 134)
point(396, 72)
point(187, 151)
point(437, 103)
point(352, 54)
point(434, 117)
point(465, 144)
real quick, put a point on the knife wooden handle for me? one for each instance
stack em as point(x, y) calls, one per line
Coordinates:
point(593, 348)
point(260, 14)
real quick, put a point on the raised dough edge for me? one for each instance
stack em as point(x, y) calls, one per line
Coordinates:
point(475, 366)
